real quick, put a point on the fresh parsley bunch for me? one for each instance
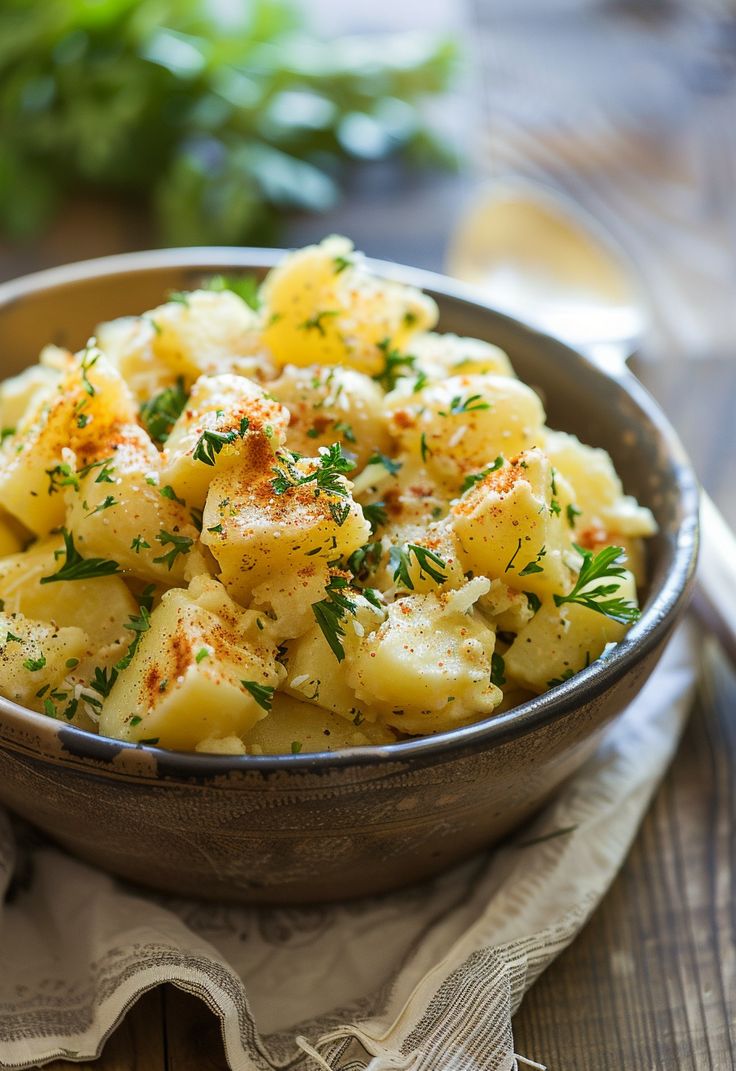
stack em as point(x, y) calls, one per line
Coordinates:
point(217, 115)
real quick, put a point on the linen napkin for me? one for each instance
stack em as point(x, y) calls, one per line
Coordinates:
point(426, 979)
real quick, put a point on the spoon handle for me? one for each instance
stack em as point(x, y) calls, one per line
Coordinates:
point(715, 590)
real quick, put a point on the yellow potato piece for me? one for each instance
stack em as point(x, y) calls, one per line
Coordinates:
point(186, 680)
point(507, 529)
point(227, 420)
point(560, 641)
point(35, 657)
point(294, 727)
point(323, 306)
point(205, 332)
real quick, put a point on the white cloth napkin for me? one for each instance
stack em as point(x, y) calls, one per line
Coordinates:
point(422, 980)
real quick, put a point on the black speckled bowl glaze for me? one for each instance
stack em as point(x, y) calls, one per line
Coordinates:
point(299, 828)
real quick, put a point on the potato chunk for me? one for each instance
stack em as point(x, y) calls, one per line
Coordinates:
point(203, 669)
point(35, 657)
point(297, 728)
point(83, 414)
point(508, 529)
point(460, 425)
point(427, 668)
point(129, 516)
point(206, 332)
point(561, 640)
point(440, 356)
point(328, 405)
point(255, 532)
point(225, 422)
point(323, 306)
point(99, 606)
point(603, 507)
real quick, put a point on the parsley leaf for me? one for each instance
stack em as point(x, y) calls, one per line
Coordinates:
point(471, 404)
point(159, 414)
point(572, 512)
point(476, 477)
point(388, 463)
point(498, 670)
point(330, 614)
point(533, 566)
point(394, 363)
point(376, 515)
point(180, 545)
point(333, 464)
point(211, 443)
point(76, 567)
point(262, 693)
point(34, 664)
point(603, 566)
point(246, 286)
point(429, 563)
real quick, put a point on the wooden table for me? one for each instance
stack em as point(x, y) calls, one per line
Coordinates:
point(650, 983)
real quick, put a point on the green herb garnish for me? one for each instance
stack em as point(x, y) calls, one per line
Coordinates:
point(314, 323)
point(210, 443)
point(430, 564)
point(476, 477)
point(247, 287)
point(498, 670)
point(262, 693)
point(330, 614)
point(159, 415)
point(376, 515)
point(472, 404)
point(333, 465)
point(603, 566)
point(572, 512)
point(394, 364)
point(179, 545)
point(388, 463)
point(533, 566)
point(76, 567)
point(34, 664)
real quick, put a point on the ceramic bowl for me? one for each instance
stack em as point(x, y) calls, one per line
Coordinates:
point(300, 828)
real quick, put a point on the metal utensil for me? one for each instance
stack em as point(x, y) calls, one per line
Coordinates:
point(548, 263)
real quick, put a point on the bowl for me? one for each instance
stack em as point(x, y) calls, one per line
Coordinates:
point(317, 827)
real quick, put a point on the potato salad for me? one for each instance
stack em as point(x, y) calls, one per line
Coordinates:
point(291, 517)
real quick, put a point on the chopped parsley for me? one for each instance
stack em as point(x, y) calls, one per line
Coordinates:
point(564, 676)
point(210, 443)
point(511, 560)
point(215, 528)
point(90, 357)
point(533, 566)
point(476, 477)
point(76, 567)
point(572, 512)
point(262, 693)
point(160, 413)
point(365, 559)
point(330, 614)
point(33, 665)
point(333, 465)
point(388, 463)
point(296, 747)
point(109, 501)
point(424, 450)
point(6, 433)
point(376, 515)
point(62, 475)
point(139, 544)
point(314, 323)
point(498, 670)
point(202, 653)
point(179, 545)
point(472, 404)
point(394, 364)
point(430, 564)
point(169, 492)
point(554, 507)
point(606, 565)
point(246, 286)
point(341, 263)
point(180, 297)
point(534, 601)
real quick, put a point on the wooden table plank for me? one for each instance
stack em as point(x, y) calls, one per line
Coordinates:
point(651, 980)
point(137, 1044)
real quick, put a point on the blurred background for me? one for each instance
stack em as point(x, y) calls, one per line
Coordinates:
point(127, 124)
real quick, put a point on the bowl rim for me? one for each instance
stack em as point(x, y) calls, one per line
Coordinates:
point(644, 636)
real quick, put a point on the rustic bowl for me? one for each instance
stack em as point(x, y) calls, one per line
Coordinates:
point(298, 828)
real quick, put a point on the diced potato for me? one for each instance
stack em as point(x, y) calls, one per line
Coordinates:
point(83, 414)
point(560, 641)
point(507, 529)
point(419, 572)
point(329, 405)
point(25, 392)
point(460, 425)
point(294, 727)
point(314, 674)
point(100, 606)
point(34, 659)
point(128, 343)
point(287, 598)
point(129, 516)
point(206, 332)
point(427, 668)
point(323, 306)
point(203, 669)
point(440, 356)
point(597, 490)
point(228, 420)
point(255, 533)
point(509, 609)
